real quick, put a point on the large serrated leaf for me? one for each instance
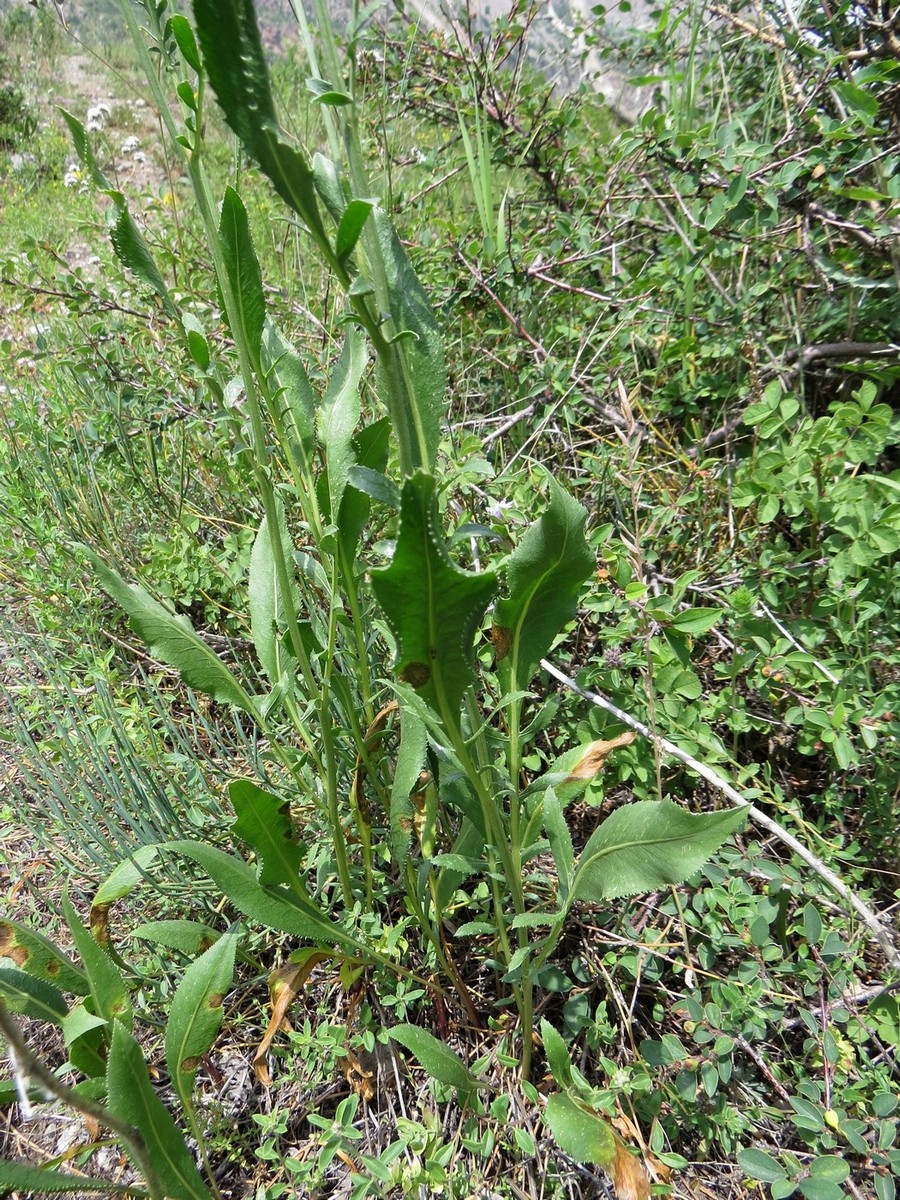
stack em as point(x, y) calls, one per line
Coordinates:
point(197, 1011)
point(240, 886)
point(432, 605)
point(544, 576)
point(236, 65)
point(244, 274)
point(267, 607)
point(581, 1134)
point(264, 823)
point(648, 845)
point(37, 955)
point(132, 1098)
point(171, 639)
point(417, 366)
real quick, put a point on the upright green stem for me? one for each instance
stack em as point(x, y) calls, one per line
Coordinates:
point(246, 358)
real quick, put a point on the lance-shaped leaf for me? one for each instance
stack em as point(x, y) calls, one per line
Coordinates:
point(32, 997)
point(267, 607)
point(351, 226)
point(440, 1062)
point(544, 575)
point(171, 639)
point(236, 65)
point(244, 274)
point(581, 1134)
point(264, 822)
point(108, 990)
point(293, 399)
point(370, 454)
point(560, 843)
point(410, 758)
point(416, 370)
point(197, 1011)
point(285, 912)
point(432, 605)
point(26, 1180)
point(39, 957)
point(118, 884)
point(648, 845)
point(127, 240)
point(132, 1098)
point(188, 937)
point(339, 413)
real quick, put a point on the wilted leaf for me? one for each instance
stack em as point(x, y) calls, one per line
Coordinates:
point(284, 985)
point(593, 757)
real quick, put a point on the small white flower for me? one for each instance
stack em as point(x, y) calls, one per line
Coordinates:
point(73, 176)
point(130, 145)
point(97, 115)
point(139, 157)
point(497, 509)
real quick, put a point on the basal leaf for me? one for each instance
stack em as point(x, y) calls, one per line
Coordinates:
point(440, 1062)
point(544, 576)
point(433, 607)
point(37, 955)
point(32, 997)
point(171, 639)
point(132, 1098)
point(118, 884)
point(244, 274)
point(557, 1054)
point(579, 1133)
point(264, 823)
point(648, 845)
point(188, 937)
point(197, 1011)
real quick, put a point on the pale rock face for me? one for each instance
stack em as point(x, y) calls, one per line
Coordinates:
point(558, 50)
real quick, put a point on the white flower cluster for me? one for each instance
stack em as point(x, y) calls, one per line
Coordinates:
point(130, 145)
point(75, 177)
point(97, 116)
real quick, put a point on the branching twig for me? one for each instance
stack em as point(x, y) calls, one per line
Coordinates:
point(866, 914)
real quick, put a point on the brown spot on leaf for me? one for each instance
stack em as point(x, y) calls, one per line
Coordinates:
point(189, 1064)
point(416, 674)
point(100, 923)
point(502, 640)
point(8, 946)
point(216, 1000)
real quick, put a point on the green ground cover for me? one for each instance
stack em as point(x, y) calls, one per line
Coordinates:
point(433, 511)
